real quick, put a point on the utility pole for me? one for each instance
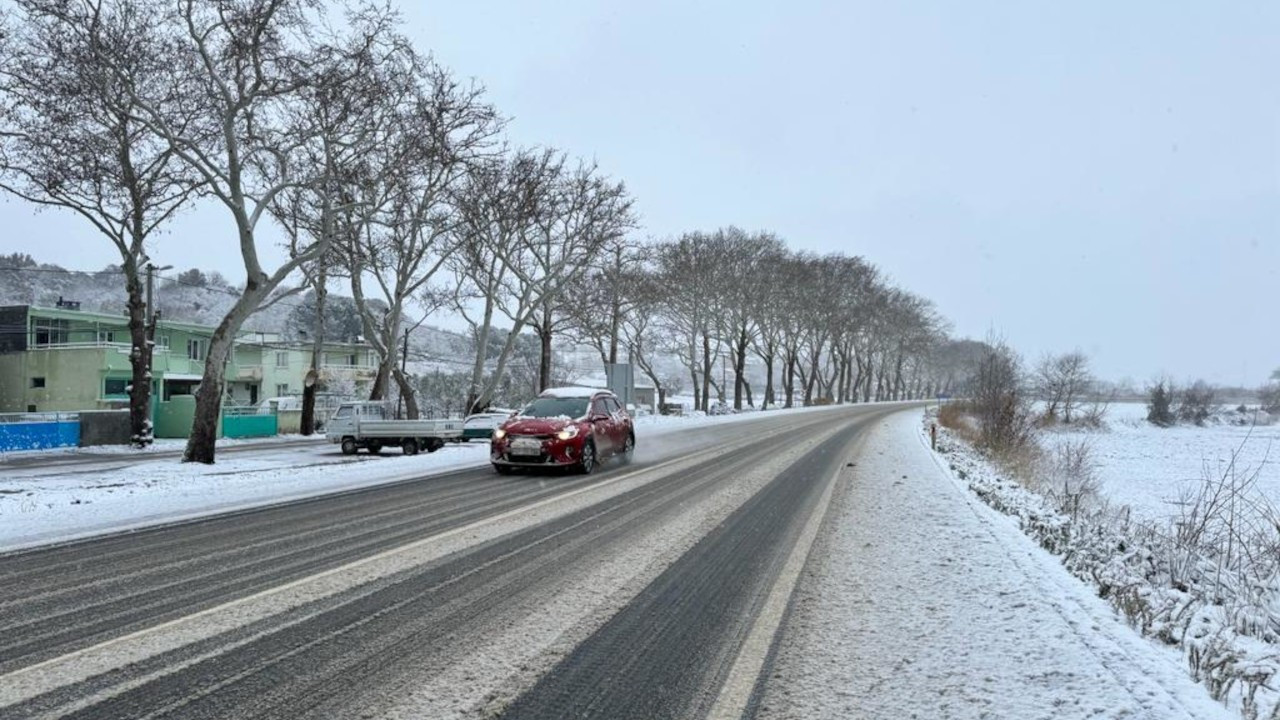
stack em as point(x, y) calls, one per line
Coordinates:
point(153, 315)
point(724, 374)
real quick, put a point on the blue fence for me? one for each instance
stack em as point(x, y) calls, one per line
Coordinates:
point(39, 431)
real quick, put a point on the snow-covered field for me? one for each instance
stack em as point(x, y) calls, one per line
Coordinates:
point(111, 493)
point(1148, 468)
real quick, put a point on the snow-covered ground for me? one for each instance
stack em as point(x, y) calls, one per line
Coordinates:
point(1148, 468)
point(65, 501)
point(921, 602)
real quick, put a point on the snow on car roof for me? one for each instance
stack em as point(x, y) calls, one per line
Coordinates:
point(570, 392)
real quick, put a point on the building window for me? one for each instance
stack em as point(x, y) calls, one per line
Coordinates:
point(282, 389)
point(37, 382)
point(106, 336)
point(353, 360)
point(195, 349)
point(180, 387)
point(163, 342)
point(51, 332)
point(115, 387)
point(282, 359)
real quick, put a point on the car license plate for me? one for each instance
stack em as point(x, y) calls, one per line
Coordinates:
point(526, 446)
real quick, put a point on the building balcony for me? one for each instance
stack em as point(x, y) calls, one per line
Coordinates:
point(246, 373)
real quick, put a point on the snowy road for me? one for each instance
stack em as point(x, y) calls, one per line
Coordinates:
point(660, 590)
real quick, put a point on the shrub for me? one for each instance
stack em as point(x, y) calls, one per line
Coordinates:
point(1160, 404)
point(1269, 397)
point(1198, 403)
point(952, 415)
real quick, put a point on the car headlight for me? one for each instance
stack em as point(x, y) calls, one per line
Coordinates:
point(568, 432)
point(499, 433)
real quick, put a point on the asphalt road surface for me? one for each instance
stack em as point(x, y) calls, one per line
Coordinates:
point(644, 591)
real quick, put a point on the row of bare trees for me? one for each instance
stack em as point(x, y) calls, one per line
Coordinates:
point(825, 328)
point(319, 128)
point(318, 122)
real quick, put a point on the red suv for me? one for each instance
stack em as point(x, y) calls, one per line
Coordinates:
point(564, 427)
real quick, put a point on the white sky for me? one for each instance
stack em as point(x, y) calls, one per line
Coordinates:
point(1090, 174)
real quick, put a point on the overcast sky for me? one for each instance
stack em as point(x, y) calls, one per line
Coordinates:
point(1098, 175)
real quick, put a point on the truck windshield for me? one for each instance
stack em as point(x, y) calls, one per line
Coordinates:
point(555, 407)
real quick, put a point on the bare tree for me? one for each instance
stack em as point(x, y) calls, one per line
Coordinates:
point(1062, 382)
point(407, 229)
point(737, 279)
point(999, 401)
point(234, 101)
point(528, 227)
point(615, 281)
point(682, 268)
point(69, 139)
point(587, 213)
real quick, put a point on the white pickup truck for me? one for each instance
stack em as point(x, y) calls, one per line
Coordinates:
point(367, 425)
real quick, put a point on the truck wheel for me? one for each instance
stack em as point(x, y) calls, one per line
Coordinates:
point(433, 444)
point(409, 446)
point(349, 446)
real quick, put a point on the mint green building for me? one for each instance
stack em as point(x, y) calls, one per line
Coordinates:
point(67, 360)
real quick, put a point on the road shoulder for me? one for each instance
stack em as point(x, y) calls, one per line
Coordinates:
point(919, 601)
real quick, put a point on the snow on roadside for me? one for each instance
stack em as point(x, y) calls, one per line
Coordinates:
point(920, 601)
point(1170, 585)
point(75, 501)
point(153, 490)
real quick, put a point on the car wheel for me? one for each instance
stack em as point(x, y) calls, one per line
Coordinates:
point(587, 462)
point(409, 446)
point(628, 450)
point(503, 469)
point(349, 446)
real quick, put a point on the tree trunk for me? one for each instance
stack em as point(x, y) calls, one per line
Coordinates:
point(768, 382)
point(789, 373)
point(707, 372)
point(544, 358)
point(410, 398)
point(141, 432)
point(615, 317)
point(812, 380)
point(204, 427)
point(379, 389)
point(740, 368)
point(317, 350)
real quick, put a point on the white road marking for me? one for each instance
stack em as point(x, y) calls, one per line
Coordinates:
point(741, 681)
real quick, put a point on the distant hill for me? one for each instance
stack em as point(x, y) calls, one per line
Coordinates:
point(203, 298)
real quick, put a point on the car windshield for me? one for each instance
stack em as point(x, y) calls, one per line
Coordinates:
point(556, 407)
